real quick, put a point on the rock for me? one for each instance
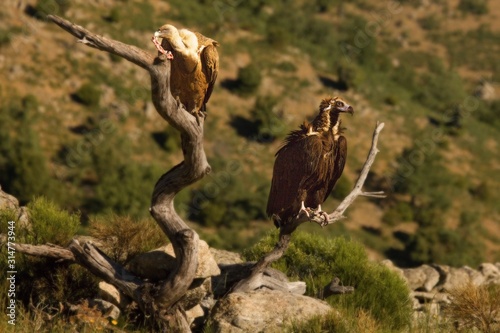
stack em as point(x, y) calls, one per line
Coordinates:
point(109, 293)
point(489, 271)
point(231, 274)
point(389, 264)
point(476, 277)
point(195, 316)
point(155, 265)
point(485, 91)
point(197, 291)
point(226, 257)
point(451, 278)
point(8, 201)
point(421, 278)
point(107, 309)
point(264, 311)
point(427, 297)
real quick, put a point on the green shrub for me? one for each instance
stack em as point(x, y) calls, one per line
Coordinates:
point(400, 212)
point(54, 7)
point(286, 66)
point(349, 75)
point(5, 38)
point(430, 22)
point(20, 150)
point(46, 282)
point(249, 79)
point(126, 237)
point(88, 95)
point(477, 7)
point(50, 224)
point(316, 260)
point(268, 120)
point(123, 186)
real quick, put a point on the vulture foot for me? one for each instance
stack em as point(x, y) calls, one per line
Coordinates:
point(323, 214)
point(303, 210)
point(198, 115)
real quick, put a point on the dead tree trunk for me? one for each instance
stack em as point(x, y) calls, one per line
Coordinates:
point(158, 301)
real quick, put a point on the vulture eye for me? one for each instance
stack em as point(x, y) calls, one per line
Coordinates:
point(339, 104)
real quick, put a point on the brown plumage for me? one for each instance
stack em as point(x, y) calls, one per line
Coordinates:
point(309, 164)
point(195, 65)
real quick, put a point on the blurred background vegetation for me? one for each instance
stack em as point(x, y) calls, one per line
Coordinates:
point(77, 126)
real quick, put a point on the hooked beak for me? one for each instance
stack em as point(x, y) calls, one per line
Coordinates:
point(347, 109)
point(157, 33)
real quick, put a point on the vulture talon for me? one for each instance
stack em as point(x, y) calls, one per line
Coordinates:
point(303, 210)
point(198, 115)
point(323, 214)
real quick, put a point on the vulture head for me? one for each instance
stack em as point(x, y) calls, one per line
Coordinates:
point(335, 105)
point(182, 40)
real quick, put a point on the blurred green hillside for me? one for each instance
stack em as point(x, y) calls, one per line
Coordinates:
point(77, 125)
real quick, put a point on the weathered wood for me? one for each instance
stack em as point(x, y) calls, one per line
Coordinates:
point(48, 251)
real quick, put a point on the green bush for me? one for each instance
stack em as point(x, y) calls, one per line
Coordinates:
point(50, 224)
point(46, 282)
point(126, 237)
point(249, 79)
point(477, 7)
point(316, 260)
point(20, 150)
point(268, 120)
point(400, 212)
point(88, 95)
point(53, 7)
point(122, 186)
point(430, 22)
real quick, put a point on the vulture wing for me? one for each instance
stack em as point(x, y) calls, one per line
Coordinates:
point(210, 66)
point(296, 162)
point(339, 157)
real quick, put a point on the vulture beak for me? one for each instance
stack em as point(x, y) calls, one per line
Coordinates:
point(157, 33)
point(350, 110)
point(347, 109)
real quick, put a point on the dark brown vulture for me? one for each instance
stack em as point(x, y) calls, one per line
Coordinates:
point(195, 64)
point(309, 164)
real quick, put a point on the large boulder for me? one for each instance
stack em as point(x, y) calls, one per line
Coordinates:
point(157, 264)
point(223, 257)
point(490, 272)
point(452, 278)
point(264, 311)
point(8, 201)
point(421, 278)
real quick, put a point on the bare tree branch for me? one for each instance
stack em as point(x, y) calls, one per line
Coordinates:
point(48, 251)
point(131, 53)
